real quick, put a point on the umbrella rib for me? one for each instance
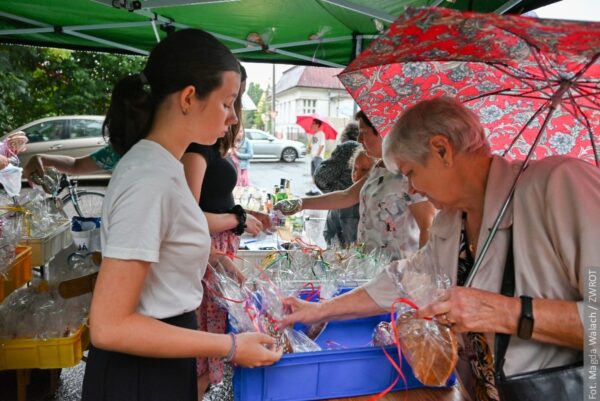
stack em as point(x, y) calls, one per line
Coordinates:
point(576, 110)
point(514, 73)
point(536, 57)
point(537, 112)
point(504, 92)
point(587, 95)
point(588, 126)
point(525, 80)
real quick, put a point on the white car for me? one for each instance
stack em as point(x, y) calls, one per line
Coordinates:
point(266, 146)
point(64, 135)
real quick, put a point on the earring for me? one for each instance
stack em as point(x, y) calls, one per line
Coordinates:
point(184, 112)
point(446, 164)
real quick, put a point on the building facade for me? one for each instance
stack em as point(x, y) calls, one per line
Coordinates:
point(307, 90)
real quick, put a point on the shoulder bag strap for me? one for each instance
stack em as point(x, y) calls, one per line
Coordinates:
point(508, 289)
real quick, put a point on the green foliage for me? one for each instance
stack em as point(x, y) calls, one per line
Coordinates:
point(261, 115)
point(255, 92)
point(39, 82)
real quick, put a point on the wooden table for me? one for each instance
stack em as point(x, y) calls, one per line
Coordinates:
point(455, 393)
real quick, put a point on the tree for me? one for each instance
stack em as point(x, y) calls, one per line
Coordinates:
point(255, 92)
point(262, 110)
point(36, 82)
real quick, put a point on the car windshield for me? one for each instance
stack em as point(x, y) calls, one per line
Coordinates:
point(257, 135)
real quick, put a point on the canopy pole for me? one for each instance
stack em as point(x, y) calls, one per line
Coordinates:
point(358, 44)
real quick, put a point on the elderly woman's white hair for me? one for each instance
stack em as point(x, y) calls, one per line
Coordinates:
point(409, 138)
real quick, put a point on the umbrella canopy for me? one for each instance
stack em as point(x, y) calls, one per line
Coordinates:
point(321, 32)
point(521, 75)
point(306, 121)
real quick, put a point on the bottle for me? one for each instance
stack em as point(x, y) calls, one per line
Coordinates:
point(282, 193)
point(276, 196)
point(287, 190)
point(269, 204)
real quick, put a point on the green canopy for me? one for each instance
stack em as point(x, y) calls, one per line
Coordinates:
point(320, 32)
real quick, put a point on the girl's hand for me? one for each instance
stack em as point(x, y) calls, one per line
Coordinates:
point(3, 162)
point(255, 349)
point(34, 165)
point(263, 218)
point(231, 268)
point(253, 225)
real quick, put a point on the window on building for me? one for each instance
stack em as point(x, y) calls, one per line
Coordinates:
point(309, 106)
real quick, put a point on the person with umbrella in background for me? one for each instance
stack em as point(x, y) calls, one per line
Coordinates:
point(547, 239)
point(321, 131)
point(316, 148)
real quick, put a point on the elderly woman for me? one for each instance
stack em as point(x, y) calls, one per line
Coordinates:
point(391, 220)
point(554, 224)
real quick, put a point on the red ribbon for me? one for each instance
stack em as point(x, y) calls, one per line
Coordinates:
point(398, 366)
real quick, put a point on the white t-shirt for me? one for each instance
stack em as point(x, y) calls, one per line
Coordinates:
point(318, 141)
point(386, 223)
point(150, 214)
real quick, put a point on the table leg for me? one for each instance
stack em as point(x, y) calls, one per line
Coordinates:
point(23, 376)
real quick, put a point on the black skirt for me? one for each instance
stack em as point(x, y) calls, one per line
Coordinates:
point(113, 376)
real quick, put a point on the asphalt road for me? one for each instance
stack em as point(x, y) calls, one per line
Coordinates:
point(266, 174)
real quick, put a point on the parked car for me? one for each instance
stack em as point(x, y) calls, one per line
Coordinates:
point(266, 146)
point(64, 135)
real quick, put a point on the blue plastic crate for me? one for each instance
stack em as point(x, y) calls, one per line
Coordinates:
point(356, 369)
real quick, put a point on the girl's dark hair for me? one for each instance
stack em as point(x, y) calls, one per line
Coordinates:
point(360, 115)
point(186, 57)
point(228, 141)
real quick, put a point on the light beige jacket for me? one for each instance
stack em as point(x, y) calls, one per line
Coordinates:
point(556, 237)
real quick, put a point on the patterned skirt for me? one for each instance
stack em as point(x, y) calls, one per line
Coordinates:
point(211, 317)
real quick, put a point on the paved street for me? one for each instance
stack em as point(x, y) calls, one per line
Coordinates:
point(266, 174)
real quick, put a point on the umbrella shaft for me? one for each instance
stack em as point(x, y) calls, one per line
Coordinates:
point(488, 241)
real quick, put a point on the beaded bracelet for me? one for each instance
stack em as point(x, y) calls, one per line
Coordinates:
point(231, 354)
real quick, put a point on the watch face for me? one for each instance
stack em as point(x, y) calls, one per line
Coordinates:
point(525, 328)
point(526, 320)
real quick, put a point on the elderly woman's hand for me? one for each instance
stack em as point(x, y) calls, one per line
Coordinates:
point(301, 311)
point(263, 218)
point(474, 310)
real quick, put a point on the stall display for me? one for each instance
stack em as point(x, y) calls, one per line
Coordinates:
point(39, 327)
point(17, 273)
point(330, 270)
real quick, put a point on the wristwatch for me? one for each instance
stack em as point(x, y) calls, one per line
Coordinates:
point(526, 321)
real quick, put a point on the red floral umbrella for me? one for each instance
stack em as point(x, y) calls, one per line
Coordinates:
point(306, 121)
point(528, 79)
point(534, 83)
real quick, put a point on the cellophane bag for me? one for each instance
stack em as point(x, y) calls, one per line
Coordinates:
point(430, 347)
point(39, 312)
point(257, 305)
